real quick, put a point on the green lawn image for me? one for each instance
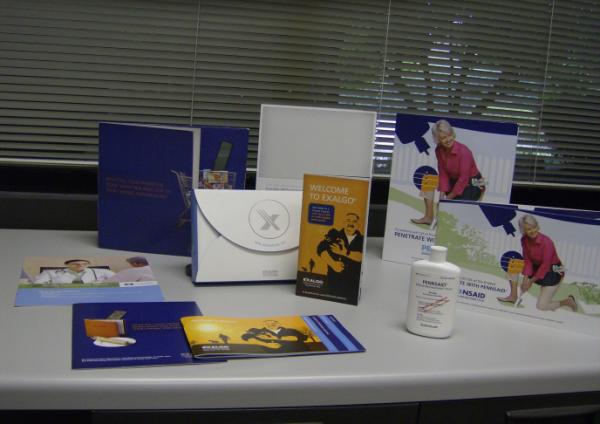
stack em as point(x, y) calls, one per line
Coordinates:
point(589, 292)
point(413, 202)
point(466, 246)
point(406, 199)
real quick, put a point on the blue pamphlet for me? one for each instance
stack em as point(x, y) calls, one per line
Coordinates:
point(130, 334)
point(146, 173)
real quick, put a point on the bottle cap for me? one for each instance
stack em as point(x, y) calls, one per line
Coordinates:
point(438, 254)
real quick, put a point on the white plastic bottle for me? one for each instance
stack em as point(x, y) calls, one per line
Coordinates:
point(432, 295)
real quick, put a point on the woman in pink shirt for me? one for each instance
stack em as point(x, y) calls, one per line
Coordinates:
point(459, 177)
point(542, 266)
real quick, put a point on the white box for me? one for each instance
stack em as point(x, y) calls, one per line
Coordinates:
point(245, 235)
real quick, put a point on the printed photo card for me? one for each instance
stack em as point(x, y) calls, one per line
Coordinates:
point(535, 265)
point(437, 157)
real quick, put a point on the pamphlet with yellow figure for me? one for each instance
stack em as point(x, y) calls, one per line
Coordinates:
point(332, 237)
point(231, 337)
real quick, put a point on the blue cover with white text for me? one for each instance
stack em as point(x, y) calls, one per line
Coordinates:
point(145, 177)
point(150, 334)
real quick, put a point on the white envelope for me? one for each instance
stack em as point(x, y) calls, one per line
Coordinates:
point(245, 235)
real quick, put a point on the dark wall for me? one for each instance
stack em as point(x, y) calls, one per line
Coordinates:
point(49, 198)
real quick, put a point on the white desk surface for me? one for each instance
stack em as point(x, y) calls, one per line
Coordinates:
point(485, 357)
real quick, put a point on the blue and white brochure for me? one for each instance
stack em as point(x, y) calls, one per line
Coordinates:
point(146, 174)
point(537, 265)
point(417, 179)
point(145, 334)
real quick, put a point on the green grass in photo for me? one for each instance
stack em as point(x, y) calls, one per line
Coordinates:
point(400, 196)
point(466, 246)
point(589, 292)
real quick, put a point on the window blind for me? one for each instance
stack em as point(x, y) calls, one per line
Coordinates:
point(311, 53)
point(535, 63)
point(570, 116)
point(67, 65)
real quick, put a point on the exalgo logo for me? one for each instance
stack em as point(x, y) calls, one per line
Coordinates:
point(269, 219)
